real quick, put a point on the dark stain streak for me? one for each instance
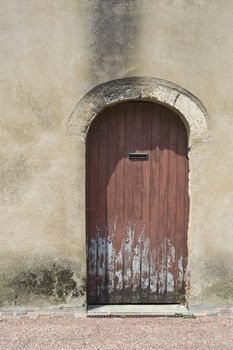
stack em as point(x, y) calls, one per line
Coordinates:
point(177, 96)
point(113, 36)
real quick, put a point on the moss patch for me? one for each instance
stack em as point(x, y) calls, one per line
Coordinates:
point(57, 283)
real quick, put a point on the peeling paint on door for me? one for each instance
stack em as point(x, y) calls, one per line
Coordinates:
point(133, 271)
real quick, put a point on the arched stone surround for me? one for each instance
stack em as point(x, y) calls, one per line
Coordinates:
point(190, 109)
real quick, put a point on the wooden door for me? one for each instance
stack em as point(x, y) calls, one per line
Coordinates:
point(137, 205)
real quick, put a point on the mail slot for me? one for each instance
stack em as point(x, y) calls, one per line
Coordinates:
point(138, 156)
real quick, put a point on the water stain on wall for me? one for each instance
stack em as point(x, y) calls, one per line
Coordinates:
point(15, 175)
point(219, 277)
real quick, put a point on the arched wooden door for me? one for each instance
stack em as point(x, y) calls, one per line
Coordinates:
point(137, 205)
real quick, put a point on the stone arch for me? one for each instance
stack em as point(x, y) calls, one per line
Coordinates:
point(189, 107)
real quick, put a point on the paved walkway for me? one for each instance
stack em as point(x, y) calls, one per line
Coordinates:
point(117, 333)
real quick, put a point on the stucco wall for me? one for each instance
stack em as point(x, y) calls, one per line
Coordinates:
point(52, 53)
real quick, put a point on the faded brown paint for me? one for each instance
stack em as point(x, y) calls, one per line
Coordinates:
point(137, 211)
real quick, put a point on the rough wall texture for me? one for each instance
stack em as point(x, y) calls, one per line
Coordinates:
point(52, 53)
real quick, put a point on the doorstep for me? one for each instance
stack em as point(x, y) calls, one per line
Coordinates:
point(137, 310)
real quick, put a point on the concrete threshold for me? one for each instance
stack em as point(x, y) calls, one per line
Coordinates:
point(137, 310)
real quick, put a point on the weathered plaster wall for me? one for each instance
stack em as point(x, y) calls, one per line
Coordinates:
point(52, 53)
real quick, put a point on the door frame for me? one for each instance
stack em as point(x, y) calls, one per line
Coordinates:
point(182, 102)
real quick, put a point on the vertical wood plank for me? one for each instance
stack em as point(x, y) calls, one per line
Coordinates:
point(180, 208)
point(163, 199)
point(171, 205)
point(111, 203)
point(128, 201)
point(145, 254)
point(154, 201)
point(120, 184)
point(102, 209)
point(137, 206)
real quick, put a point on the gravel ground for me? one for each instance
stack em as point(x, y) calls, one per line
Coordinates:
point(117, 333)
